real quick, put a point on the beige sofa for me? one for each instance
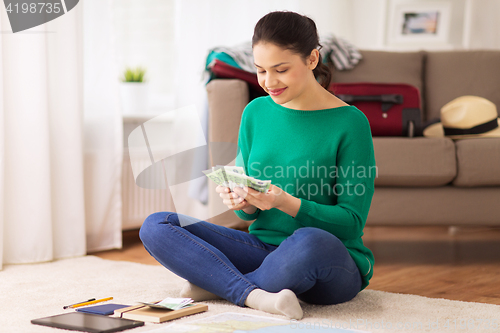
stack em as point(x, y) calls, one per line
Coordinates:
point(421, 181)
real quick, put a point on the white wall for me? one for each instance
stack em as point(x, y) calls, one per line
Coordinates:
point(485, 24)
point(369, 22)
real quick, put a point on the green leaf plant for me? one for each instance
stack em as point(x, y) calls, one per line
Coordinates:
point(134, 74)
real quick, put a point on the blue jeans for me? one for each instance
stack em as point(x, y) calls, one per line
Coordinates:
point(231, 263)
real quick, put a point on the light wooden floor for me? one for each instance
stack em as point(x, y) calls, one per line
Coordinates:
point(458, 263)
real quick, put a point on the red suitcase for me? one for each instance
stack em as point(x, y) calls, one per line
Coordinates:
point(392, 109)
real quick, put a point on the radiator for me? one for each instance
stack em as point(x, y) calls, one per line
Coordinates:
point(138, 203)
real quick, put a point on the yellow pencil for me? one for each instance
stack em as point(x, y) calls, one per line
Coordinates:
point(91, 302)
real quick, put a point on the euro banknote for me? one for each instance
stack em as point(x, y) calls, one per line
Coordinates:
point(234, 176)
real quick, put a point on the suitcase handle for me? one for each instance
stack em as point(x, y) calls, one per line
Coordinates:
point(387, 100)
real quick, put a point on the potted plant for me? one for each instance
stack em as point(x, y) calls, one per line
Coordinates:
point(134, 91)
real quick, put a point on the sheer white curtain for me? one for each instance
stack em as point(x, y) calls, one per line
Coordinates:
point(60, 139)
point(103, 129)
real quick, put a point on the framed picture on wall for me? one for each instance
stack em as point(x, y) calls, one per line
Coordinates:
point(422, 23)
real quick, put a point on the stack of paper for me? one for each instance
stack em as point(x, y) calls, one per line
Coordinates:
point(232, 176)
point(171, 303)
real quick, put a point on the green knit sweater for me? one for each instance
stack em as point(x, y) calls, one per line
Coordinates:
point(325, 158)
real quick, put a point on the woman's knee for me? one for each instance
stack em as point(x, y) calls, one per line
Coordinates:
point(317, 245)
point(149, 228)
point(318, 237)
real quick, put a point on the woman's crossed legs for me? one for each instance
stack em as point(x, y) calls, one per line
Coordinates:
point(233, 264)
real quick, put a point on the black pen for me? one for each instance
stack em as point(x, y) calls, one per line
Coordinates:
point(67, 306)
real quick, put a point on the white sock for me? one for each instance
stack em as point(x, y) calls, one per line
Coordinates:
point(284, 303)
point(196, 293)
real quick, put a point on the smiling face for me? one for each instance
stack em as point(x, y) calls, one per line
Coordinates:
point(282, 73)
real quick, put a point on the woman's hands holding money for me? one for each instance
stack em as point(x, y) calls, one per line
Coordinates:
point(246, 197)
point(231, 199)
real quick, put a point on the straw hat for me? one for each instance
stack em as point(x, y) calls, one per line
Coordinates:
point(466, 117)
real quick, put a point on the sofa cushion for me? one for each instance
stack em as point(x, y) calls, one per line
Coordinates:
point(385, 67)
point(451, 74)
point(414, 161)
point(478, 162)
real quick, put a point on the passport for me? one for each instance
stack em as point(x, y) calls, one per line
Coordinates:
point(104, 309)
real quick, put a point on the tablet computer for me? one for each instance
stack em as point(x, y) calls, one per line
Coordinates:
point(87, 322)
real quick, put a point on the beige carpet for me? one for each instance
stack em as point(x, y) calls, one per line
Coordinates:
point(38, 290)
